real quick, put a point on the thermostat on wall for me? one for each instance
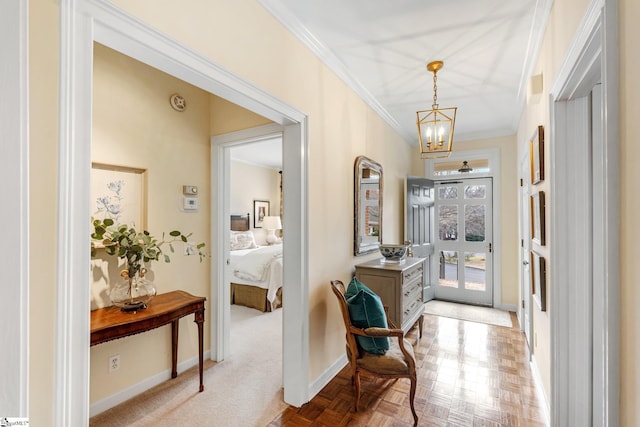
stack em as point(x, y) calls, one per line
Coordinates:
point(190, 204)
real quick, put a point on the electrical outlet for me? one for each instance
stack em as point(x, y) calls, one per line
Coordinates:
point(114, 363)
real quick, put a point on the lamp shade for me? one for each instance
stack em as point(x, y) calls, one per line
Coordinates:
point(271, 223)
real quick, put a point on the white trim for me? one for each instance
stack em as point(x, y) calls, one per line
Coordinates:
point(120, 31)
point(536, 36)
point(14, 169)
point(493, 154)
point(329, 374)
point(592, 57)
point(142, 386)
point(71, 386)
point(326, 55)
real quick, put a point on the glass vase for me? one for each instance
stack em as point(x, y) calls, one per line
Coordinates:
point(132, 293)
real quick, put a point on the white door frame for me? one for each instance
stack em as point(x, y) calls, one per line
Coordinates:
point(460, 293)
point(590, 323)
point(14, 169)
point(82, 22)
point(493, 154)
point(221, 210)
point(525, 312)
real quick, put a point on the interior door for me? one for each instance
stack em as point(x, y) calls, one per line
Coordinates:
point(463, 241)
point(419, 207)
point(525, 247)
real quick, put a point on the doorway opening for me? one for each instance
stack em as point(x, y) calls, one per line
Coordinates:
point(463, 241)
point(81, 24)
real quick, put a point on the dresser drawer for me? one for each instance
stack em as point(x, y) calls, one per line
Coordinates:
point(411, 295)
point(412, 273)
point(412, 307)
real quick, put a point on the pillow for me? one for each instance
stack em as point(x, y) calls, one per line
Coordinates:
point(242, 240)
point(366, 311)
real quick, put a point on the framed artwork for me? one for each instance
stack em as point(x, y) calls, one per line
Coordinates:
point(260, 210)
point(539, 280)
point(119, 193)
point(536, 154)
point(537, 218)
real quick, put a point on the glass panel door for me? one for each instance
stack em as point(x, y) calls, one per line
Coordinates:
point(464, 239)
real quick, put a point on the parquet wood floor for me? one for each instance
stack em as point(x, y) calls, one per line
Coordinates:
point(469, 374)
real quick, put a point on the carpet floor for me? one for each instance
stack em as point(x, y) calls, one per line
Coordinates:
point(472, 313)
point(243, 390)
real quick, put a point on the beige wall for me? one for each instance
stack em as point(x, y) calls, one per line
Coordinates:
point(228, 117)
point(508, 270)
point(134, 125)
point(249, 183)
point(630, 206)
point(563, 23)
point(43, 164)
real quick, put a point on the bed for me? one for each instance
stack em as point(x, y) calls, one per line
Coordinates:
point(256, 271)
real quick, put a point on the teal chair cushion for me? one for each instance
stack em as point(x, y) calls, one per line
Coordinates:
point(366, 311)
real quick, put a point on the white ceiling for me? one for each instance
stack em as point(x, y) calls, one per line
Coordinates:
point(265, 153)
point(380, 48)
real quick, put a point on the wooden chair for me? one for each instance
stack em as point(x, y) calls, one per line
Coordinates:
point(397, 362)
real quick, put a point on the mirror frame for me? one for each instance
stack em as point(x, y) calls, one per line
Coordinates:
point(361, 164)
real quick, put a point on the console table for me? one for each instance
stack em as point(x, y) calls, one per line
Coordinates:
point(110, 323)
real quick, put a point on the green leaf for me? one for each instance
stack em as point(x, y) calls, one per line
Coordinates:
point(108, 222)
point(175, 233)
point(184, 239)
point(166, 258)
point(200, 246)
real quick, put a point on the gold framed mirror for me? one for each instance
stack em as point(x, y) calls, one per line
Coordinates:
point(368, 205)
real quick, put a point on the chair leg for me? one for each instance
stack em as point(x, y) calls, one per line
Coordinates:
point(412, 394)
point(356, 378)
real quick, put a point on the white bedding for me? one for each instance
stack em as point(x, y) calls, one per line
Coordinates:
point(261, 267)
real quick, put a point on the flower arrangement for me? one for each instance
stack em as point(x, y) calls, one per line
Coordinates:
point(135, 246)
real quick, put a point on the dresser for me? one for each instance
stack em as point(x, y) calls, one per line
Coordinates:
point(399, 285)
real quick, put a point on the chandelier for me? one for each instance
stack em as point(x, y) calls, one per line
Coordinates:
point(435, 126)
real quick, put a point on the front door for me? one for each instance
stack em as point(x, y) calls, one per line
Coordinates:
point(419, 225)
point(463, 243)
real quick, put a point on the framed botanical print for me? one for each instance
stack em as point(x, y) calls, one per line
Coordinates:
point(537, 218)
point(119, 193)
point(539, 280)
point(536, 154)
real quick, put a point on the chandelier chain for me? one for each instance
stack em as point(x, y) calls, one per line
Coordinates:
point(435, 90)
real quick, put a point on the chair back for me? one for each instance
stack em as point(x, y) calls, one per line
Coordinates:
point(352, 346)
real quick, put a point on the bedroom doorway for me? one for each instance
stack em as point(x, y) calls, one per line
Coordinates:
point(82, 23)
point(236, 201)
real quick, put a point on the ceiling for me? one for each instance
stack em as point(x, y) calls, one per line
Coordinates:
point(380, 48)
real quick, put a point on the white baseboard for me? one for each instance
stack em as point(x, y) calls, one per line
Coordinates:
point(542, 396)
point(144, 385)
point(507, 307)
point(316, 386)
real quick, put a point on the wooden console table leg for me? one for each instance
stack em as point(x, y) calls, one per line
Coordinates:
point(420, 322)
point(174, 348)
point(199, 319)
